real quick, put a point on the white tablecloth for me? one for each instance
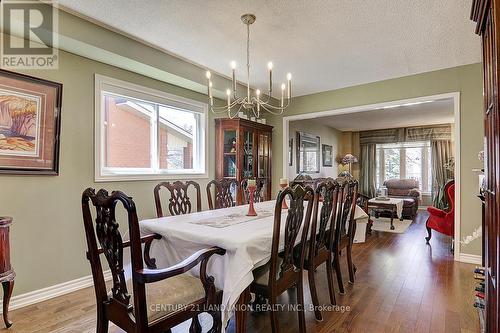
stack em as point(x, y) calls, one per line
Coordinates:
point(247, 245)
point(392, 201)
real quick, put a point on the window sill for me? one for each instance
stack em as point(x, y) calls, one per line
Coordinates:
point(139, 177)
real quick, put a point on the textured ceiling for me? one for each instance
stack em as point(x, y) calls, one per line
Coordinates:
point(433, 113)
point(326, 44)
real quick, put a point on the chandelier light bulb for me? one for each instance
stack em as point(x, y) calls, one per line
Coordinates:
point(228, 92)
point(283, 86)
point(289, 76)
point(233, 64)
point(208, 74)
point(257, 92)
point(270, 65)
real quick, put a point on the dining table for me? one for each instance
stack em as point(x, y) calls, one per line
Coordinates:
point(246, 239)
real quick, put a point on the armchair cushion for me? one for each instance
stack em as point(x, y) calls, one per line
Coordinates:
point(436, 212)
point(167, 296)
point(443, 221)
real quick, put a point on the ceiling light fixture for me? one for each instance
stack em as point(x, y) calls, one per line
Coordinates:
point(254, 103)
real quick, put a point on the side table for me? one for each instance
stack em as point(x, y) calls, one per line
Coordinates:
point(7, 274)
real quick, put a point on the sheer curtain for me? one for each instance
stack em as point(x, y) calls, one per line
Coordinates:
point(368, 169)
point(441, 152)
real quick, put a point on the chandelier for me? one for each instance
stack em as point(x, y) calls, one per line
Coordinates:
point(254, 103)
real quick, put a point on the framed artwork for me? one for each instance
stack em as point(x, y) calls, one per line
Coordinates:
point(30, 124)
point(327, 155)
point(308, 153)
point(290, 152)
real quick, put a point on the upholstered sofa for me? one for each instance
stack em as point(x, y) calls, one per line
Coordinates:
point(408, 190)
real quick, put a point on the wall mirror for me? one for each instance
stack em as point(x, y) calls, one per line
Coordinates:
point(308, 153)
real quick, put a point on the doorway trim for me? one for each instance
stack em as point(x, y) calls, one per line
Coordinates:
point(370, 107)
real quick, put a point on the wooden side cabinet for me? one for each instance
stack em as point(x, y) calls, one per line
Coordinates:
point(7, 274)
point(243, 150)
point(487, 15)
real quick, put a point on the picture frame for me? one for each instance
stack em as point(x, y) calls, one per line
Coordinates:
point(327, 155)
point(30, 124)
point(290, 152)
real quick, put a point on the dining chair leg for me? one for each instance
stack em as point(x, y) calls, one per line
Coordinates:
point(302, 310)
point(274, 315)
point(102, 321)
point(338, 272)
point(350, 264)
point(217, 324)
point(195, 325)
point(329, 276)
point(314, 294)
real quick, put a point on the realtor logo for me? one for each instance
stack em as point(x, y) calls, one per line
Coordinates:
point(29, 38)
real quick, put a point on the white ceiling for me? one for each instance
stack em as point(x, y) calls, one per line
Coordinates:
point(326, 44)
point(429, 113)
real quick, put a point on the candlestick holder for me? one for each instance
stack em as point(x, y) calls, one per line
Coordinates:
point(251, 209)
point(283, 204)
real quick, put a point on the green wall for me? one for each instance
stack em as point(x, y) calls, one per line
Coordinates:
point(464, 79)
point(47, 236)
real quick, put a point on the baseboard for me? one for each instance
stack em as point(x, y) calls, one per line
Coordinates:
point(44, 294)
point(470, 258)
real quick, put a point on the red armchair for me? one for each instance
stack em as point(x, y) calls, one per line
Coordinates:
point(440, 220)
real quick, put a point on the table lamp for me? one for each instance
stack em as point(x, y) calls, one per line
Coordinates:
point(348, 159)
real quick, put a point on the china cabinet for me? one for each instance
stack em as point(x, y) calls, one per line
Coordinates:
point(243, 151)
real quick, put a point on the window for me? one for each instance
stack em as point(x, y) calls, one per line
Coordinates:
point(405, 160)
point(147, 134)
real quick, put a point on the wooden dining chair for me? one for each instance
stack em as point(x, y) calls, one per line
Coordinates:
point(321, 240)
point(260, 186)
point(153, 300)
point(282, 272)
point(179, 202)
point(362, 201)
point(221, 196)
point(345, 228)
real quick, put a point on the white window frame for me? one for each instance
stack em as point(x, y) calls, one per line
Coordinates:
point(380, 165)
point(104, 84)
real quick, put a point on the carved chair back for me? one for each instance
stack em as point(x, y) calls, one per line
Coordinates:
point(321, 222)
point(362, 201)
point(296, 225)
point(221, 196)
point(179, 202)
point(345, 225)
point(116, 306)
point(111, 244)
point(260, 186)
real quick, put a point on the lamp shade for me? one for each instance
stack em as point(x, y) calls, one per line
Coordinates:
point(349, 158)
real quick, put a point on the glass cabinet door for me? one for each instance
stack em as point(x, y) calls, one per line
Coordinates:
point(248, 154)
point(230, 148)
point(263, 155)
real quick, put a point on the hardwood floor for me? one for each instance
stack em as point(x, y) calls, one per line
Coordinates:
point(402, 285)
